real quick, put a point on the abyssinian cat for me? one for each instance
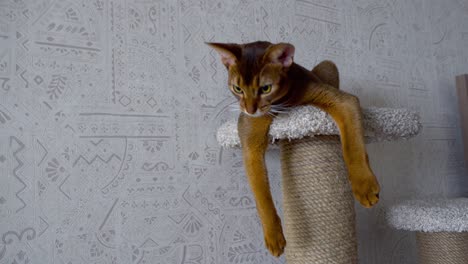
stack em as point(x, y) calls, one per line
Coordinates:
point(266, 81)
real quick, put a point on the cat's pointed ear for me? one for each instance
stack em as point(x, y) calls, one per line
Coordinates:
point(282, 53)
point(228, 52)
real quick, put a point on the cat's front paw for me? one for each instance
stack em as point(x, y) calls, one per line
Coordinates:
point(366, 189)
point(275, 241)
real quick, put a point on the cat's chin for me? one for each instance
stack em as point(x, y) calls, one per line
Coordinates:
point(256, 114)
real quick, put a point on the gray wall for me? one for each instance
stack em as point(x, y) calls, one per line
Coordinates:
point(108, 111)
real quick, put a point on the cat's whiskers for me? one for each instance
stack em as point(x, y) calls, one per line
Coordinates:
point(234, 106)
point(280, 109)
point(276, 112)
point(280, 106)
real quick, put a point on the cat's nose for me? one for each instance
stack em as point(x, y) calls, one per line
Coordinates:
point(251, 109)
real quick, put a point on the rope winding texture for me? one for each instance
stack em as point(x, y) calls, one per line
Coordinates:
point(318, 203)
point(442, 247)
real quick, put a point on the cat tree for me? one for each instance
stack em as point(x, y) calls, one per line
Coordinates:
point(441, 227)
point(318, 205)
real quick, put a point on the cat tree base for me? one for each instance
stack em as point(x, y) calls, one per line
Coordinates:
point(319, 216)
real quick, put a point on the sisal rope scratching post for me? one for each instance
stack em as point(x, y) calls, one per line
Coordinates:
point(441, 227)
point(318, 202)
point(442, 247)
point(319, 217)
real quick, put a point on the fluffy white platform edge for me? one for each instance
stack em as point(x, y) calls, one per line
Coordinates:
point(430, 215)
point(380, 124)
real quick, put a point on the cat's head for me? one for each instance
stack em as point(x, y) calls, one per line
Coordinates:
point(256, 73)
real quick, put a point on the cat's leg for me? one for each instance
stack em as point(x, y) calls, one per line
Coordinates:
point(253, 132)
point(327, 72)
point(344, 108)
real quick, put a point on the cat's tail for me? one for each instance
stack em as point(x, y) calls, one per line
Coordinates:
point(327, 72)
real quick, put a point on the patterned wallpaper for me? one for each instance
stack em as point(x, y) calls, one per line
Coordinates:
point(108, 111)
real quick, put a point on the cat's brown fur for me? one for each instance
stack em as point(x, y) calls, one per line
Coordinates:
point(251, 68)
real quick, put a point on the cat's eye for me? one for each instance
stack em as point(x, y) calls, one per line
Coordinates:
point(237, 89)
point(266, 89)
